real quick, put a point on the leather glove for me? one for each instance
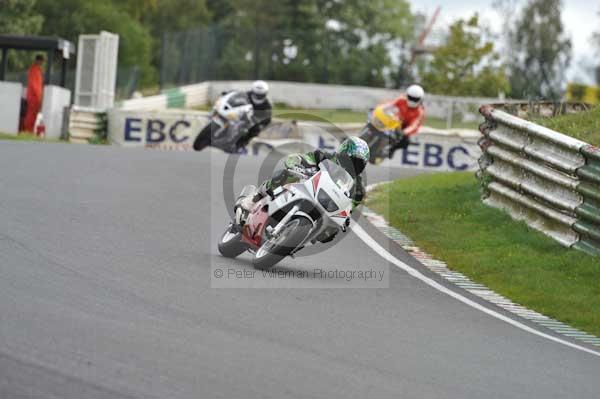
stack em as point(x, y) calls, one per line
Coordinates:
point(399, 134)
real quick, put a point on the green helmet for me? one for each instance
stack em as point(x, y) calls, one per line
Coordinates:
point(353, 155)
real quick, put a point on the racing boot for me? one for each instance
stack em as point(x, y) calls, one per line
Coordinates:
point(244, 203)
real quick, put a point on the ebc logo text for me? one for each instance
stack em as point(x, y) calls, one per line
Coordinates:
point(431, 155)
point(155, 131)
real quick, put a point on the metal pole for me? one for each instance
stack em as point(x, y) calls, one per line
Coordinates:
point(326, 58)
point(4, 65)
point(256, 53)
point(162, 72)
point(49, 62)
point(63, 73)
point(450, 115)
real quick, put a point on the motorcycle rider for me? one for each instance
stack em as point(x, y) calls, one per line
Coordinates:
point(412, 112)
point(262, 110)
point(352, 155)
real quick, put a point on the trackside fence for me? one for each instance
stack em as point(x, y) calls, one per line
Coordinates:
point(545, 178)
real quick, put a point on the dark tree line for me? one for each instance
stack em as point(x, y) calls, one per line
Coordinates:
point(333, 41)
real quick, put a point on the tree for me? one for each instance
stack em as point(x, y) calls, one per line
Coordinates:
point(596, 41)
point(85, 17)
point(341, 41)
point(219, 9)
point(160, 16)
point(577, 91)
point(367, 31)
point(466, 64)
point(542, 52)
point(18, 17)
point(596, 38)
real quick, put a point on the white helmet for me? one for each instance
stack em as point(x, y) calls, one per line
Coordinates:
point(414, 95)
point(259, 91)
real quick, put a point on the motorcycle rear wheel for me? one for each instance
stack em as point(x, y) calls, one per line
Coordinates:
point(231, 245)
point(274, 250)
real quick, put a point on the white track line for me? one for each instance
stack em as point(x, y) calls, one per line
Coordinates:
point(375, 246)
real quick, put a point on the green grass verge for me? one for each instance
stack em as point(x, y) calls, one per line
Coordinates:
point(349, 116)
point(330, 115)
point(343, 116)
point(25, 137)
point(441, 124)
point(444, 215)
point(584, 126)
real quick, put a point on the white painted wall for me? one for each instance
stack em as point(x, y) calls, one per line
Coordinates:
point(320, 96)
point(323, 96)
point(10, 107)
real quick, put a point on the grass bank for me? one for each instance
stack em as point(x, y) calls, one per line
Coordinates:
point(25, 137)
point(349, 116)
point(345, 116)
point(584, 126)
point(313, 114)
point(443, 214)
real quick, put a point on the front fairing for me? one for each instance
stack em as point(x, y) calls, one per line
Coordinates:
point(307, 194)
point(233, 106)
point(257, 221)
point(385, 118)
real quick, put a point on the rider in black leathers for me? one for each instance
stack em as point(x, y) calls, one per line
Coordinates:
point(262, 110)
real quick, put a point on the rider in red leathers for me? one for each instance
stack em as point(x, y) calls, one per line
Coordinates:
point(411, 110)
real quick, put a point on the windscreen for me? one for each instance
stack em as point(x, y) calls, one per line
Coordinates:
point(391, 110)
point(338, 174)
point(238, 99)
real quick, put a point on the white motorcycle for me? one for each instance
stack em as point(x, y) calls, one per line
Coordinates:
point(231, 117)
point(291, 217)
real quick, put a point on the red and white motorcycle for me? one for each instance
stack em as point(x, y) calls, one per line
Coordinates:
point(293, 216)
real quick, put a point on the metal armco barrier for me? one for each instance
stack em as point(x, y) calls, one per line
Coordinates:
point(588, 213)
point(545, 178)
point(546, 109)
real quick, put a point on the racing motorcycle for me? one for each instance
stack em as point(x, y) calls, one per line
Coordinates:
point(291, 216)
point(380, 131)
point(229, 121)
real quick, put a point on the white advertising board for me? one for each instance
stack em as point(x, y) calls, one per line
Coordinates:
point(167, 129)
point(432, 149)
point(439, 151)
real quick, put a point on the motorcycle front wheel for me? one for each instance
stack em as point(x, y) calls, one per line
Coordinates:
point(275, 249)
point(204, 138)
point(231, 245)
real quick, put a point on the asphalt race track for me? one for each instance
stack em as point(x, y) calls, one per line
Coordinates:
point(107, 256)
